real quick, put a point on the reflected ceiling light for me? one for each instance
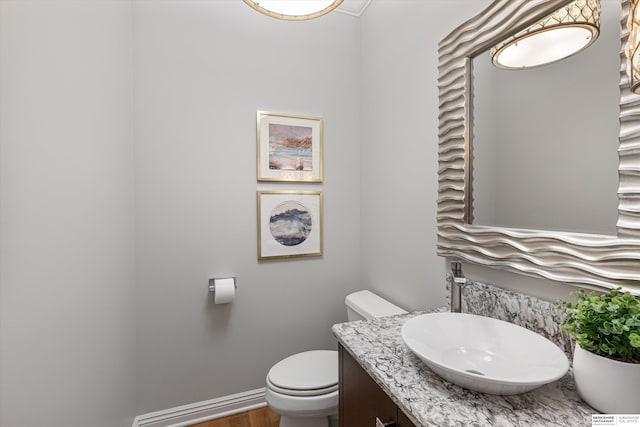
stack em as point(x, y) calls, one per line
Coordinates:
point(564, 33)
point(295, 10)
point(632, 48)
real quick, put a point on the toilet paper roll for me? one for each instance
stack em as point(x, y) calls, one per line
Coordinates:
point(225, 290)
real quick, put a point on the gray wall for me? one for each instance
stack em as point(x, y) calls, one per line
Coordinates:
point(399, 149)
point(95, 329)
point(202, 69)
point(399, 154)
point(66, 215)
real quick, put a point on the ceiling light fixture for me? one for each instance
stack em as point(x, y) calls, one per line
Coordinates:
point(632, 49)
point(566, 32)
point(294, 10)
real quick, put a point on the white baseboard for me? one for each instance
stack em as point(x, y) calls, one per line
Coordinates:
point(186, 415)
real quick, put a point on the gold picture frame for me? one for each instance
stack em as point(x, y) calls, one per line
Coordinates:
point(289, 224)
point(289, 147)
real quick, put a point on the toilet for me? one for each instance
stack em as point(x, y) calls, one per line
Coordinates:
point(303, 388)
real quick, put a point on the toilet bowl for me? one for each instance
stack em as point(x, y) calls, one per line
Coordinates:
point(303, 388)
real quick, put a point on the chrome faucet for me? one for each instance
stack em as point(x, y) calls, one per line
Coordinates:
point(459, 281)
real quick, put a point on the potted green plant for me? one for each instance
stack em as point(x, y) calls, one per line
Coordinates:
point(606, 360)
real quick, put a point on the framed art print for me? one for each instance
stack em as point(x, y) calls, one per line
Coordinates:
point(289, 224)
point(289, 147)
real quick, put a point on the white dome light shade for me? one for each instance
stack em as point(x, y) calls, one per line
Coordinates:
point(632, 49)
point(562, 34)
point(296, 10)
point(544, 47)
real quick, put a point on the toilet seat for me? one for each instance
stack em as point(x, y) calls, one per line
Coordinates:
point(310, 373)
point(295, 392)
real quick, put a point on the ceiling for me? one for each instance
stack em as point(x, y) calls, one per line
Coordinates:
point(353, 7)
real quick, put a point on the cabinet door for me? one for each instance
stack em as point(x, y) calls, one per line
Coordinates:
point(361, 399)
point(403, 420)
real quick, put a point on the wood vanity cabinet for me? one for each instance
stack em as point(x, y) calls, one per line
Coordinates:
point(361, 400)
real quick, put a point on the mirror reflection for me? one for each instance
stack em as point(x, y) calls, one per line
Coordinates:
point(544, 140)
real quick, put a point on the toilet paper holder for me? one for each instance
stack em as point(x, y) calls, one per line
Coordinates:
point(212, 283)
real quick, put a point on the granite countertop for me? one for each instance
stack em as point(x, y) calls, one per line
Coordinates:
point(430, 401)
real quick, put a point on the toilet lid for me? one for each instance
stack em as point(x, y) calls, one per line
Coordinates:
point(304, 393)
point(310, 370)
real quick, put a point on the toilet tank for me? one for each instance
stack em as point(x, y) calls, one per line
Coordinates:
point(365, 305)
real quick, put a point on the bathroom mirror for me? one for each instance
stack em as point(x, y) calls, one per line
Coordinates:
point(563, 119)
point(603, 258)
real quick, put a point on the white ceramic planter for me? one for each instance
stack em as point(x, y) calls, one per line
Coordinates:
point(607, 385)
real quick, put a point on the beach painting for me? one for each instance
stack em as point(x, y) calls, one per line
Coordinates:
point(289, 224)
point(289, 147)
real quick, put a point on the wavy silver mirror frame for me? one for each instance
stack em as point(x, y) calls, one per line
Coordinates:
point(595, 261)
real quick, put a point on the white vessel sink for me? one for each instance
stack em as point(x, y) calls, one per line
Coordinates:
point(484, 354)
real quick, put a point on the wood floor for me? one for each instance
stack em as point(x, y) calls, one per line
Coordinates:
point(262, 417)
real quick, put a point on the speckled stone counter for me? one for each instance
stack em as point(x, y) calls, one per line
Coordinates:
point(431, 401)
